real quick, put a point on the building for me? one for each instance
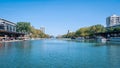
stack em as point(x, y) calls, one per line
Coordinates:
point(42, 29)
point(7, 25)
point(8, 30)
point(113, 21)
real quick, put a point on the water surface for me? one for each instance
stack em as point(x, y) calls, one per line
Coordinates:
point(59, 54)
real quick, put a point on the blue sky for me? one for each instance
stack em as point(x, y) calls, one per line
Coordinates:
point(58, 16)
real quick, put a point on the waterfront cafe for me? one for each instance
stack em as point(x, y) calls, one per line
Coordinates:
point(8, 30)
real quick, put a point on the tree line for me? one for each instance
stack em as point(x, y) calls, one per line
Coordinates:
point(90, 31)
point(25, 27)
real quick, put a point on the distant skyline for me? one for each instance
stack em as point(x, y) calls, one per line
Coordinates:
point(59, 16)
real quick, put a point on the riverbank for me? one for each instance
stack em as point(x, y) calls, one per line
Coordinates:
point(22, 40)
point(12, 41)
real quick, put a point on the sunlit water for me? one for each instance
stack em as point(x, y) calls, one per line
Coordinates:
point(59, 54)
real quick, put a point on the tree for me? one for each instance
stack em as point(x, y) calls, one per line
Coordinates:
point(23, 27)
point(36, 33)
point(116, 29)
point(110, 29)
point(28, 29)
point(97, 29)
point(68, 35)
point(87, 31)
point(82, 32)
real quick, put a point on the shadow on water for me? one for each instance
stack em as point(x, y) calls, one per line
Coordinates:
point(107, 54)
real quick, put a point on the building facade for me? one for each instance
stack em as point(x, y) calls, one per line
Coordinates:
point(7, 26)
point(42, 29)
point(113, 20)
point(8, 30)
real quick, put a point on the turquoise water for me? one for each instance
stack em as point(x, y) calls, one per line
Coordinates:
point(59, 54)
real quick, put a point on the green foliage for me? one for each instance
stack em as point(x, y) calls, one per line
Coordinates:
point(23, 27)
point(113, 29)
point(110, 29)
point(69, 35)
point(86, 31)
point(116, 29)
point(97, 29)
point(82, 32)
point(90, 31)
point(31, 31)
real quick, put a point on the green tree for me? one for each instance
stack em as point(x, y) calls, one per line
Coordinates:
point(23, 27)
point(68, 35)
point(97, 29)
point(36, 33)
point(28, 29)
point(111, 29)
point(117, 29)
point(87, 31)
point(82, 32)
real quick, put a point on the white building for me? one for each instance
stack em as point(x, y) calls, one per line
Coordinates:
point(7, 25)
point(42, 29)
point(8, 31)
point(113, 20)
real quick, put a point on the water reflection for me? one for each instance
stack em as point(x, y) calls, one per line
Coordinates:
point(59, 54)
point(22, 45)
point(8, 47)
point(113, 55)
point(97, 43)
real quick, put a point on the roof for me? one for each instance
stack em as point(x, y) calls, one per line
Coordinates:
point(114, 15)
point(7, 21)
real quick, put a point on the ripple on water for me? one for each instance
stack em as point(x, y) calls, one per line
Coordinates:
point(59, 54)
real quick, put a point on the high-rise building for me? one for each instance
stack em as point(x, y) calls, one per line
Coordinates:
point(113, 20)
point(42, 29)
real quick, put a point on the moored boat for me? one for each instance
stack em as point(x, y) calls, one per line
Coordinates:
point(101, 39)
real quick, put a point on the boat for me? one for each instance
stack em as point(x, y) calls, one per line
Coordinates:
point(101, 39)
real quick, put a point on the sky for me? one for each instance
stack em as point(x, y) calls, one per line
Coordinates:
point(59, 16)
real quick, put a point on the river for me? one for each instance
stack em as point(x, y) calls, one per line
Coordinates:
point(53, 53)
